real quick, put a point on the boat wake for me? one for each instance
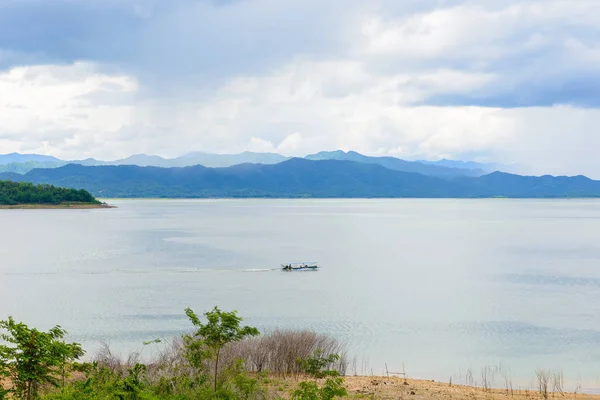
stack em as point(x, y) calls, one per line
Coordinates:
point(260, 269)
point(139, 271)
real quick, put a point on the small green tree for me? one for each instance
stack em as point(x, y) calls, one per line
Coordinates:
point(245, 387)
point(129, 388)
point(307, 391)
point(317, 364)
point(333, 387)
point(221, 329)
point(31, 358)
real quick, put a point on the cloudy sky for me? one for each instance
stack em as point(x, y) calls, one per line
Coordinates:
point(496, 80)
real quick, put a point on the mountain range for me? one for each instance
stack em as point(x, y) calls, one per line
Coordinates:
point(23, 163)
point(299, 178)
point(431, 168)
point(23, 158)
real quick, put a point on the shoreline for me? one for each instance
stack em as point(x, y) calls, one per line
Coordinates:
point(394, 387)
point(66, 206)
point(354, 198)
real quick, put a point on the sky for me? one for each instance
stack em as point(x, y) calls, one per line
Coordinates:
point(507, 81)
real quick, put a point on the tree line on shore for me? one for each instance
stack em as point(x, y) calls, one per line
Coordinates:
point(14, 193)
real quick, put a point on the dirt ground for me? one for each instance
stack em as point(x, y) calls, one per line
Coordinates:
point(363, 387)
point(398, 388)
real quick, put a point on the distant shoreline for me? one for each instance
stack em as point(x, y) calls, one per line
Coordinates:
point(349, 198)
point(65, 206)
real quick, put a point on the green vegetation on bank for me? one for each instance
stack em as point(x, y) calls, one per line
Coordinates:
point(15, 193)
point(220, 360)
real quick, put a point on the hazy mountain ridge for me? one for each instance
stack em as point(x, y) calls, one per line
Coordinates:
point(301, 178)
point(24, 158)
point(472, 165)
point(24, 167)
point(227, 160)
point(397, 164)
point(191, 159)
point(23, 163)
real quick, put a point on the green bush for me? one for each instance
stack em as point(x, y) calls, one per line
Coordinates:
point(333, 387)
point(317, 365)
point(32, 358)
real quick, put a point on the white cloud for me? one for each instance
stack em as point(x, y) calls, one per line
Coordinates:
point(373, 95)
point(295, 111)
point(260, 145)
point(293, 145)
point(479, 31)
point(56, 108)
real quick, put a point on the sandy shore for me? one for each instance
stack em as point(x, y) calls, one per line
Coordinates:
point(373, 387)
point(66, 206)
point(395, 388)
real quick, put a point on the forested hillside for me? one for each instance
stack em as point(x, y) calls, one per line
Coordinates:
point(301, 178)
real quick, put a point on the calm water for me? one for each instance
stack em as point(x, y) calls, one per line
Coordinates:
point(439, 285)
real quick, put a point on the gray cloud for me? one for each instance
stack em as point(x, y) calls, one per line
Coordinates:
point(541, 47)
point(417, 79)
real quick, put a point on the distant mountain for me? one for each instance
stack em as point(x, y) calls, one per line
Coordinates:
point(298, 178)
point(227, 160)
point(472, 165)
point(12, 176)
point(442, 168)
point(190, 159)
point(486, 168)
point(22, 158)
point(145, 160)
point(397, 164)
point(142, 160)
point(24, 167)
point(90, 162)
point(510, 185)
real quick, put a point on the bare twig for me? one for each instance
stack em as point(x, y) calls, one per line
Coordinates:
point(543, 379)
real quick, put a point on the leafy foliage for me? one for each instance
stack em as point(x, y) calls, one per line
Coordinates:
point(239, 385)
point(221, 328)
point(103, 383)
point(316, 365)
point(333, 387)
point(31, 358)
point(12, 193)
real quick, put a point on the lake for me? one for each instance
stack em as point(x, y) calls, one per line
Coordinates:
point(439, 286)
